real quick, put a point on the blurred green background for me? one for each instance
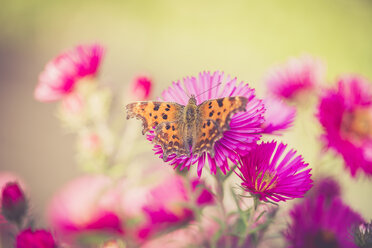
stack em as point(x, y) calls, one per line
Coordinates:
point(168, 40)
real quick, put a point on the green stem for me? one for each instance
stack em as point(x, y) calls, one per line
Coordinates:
point(220, 197)
point(230, 172)
point(256, 202)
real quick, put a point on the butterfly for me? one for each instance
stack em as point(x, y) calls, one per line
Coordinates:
point(183, 130)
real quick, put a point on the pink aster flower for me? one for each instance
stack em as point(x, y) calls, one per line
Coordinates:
point(142, 88)
point(35, 239)
point(346, 116)
point(169, 205)
point(278, 116)
point(244, 126)
point(316, 223)
point(270, 174)
point(296, 76)
point(83, 208)
point(61, 75)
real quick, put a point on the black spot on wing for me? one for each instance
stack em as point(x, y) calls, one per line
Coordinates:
point(165, 116)
point(220, 102)
point(156, 106)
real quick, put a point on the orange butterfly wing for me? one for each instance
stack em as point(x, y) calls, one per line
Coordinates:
point(215, 118)
point(169, 136)
point(154, 113)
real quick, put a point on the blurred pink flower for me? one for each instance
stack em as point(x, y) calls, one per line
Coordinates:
point(60, 75)
point(327, 187)
point(319, 223)
point(84, 207)
point(142, 88)
point(270, 174)
point(346, 116)
point(35, 239)
point(7, 177)
point(297, 75)
point(13, 202)
point(168, 205)
point(278, 116)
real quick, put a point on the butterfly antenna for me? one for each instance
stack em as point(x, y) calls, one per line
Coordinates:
point(210, 89)
point(185, 92)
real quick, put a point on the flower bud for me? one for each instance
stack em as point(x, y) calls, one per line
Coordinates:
point(363, 235)
point(13, 202)
point(36, 239)
point(142, 88)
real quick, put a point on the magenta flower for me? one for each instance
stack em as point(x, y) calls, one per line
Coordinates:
point(84, 207)
point(168, 205)
point(35, 239)
point(346, 116)
point(316, 223)
point(278, 116)
point(244, 126)
point(270, 176)
point(296, 76)
point(142, 88)
point(13, 202)
point(61, 75)
point(326, 187)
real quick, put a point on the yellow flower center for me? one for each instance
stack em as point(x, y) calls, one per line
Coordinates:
point(357, 125)
point(267, 179)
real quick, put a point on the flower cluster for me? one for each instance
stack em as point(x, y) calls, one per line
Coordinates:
point(296, 78)
point(125, 199)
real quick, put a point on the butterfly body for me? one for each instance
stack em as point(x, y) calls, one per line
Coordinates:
point(187, 129)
